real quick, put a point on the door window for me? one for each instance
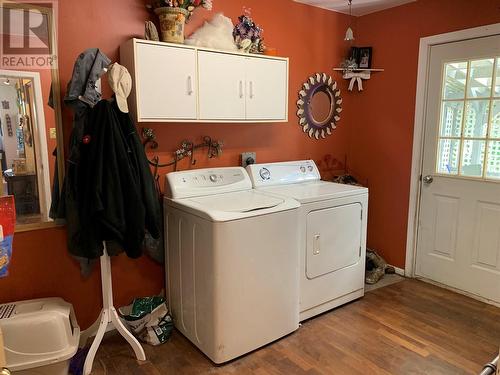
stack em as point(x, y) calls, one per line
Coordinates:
point(469, 135)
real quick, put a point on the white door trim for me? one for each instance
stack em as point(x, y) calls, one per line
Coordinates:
point(419, 127)
point(39, 130)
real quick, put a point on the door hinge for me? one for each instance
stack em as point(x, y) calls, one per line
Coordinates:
point(361, 215)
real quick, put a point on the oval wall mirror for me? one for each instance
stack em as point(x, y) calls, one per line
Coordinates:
point(319, 106)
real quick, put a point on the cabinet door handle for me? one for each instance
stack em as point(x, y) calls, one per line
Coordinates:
point(190, 86)
point(241, 89)
point(251, 90)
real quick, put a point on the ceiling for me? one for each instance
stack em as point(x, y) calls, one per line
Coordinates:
point(359, 7)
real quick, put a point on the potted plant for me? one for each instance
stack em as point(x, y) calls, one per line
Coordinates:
point(173, 15)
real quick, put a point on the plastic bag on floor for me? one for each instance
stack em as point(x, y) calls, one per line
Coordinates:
point(148, 319)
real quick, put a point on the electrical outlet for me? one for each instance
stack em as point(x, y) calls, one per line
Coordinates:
point(52, 133)
point(248, 158)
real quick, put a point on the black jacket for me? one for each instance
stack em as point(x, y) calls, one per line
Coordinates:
point(149, 193)
point(113, 187)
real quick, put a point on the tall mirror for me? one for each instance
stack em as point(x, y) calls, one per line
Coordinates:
point(31, 140)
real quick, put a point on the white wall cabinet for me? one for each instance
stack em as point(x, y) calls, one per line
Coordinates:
point(267, 85)
point(178, 83)
point(222, 86)
point(165, 82)
point(166, 90)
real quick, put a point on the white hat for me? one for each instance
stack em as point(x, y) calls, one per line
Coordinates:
point(121, 83)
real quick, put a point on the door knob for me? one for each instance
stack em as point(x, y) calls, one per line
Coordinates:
point(428, 179)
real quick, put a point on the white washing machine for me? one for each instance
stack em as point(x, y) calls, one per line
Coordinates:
point(333, 221)
point(232, 261)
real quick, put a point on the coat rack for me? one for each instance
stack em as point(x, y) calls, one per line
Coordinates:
point(108, 318)
point(187, 149)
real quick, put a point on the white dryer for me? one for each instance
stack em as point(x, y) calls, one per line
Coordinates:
point(333, 220)
point(231, 264)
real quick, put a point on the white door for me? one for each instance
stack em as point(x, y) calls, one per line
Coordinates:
point(222, 86)
point(267, 91)
point(167, 82)
point(459, 224)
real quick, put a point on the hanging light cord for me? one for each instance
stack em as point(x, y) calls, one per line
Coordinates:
point(349, 36)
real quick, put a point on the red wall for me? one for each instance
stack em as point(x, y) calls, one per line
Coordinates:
point(311, 37)
point(381, 135)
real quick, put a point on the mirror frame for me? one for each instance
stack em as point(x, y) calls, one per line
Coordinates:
point(56, 96)
point(319, 83)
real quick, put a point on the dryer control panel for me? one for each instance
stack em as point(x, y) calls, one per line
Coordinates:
point(283, 173)
point(195, 183)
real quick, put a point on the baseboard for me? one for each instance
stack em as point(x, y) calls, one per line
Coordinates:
point(462, 292)
point(399, 271)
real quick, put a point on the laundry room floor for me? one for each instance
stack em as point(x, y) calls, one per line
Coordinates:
point(409, 327)
point(388, 279)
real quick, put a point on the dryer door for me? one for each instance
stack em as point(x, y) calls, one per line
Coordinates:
point(333, 239)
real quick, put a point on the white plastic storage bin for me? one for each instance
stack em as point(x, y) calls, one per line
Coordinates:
point(40, 336)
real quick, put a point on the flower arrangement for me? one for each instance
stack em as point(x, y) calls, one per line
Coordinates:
point(248, 35)
point(189, 5)
point(173, 14)
point(349, 64)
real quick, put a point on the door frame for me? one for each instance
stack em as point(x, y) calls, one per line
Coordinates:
point(419, 128)
point(40, 136)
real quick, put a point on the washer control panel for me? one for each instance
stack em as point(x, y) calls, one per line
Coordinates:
point(264, 173)
point(283, 173)
point(206, 181)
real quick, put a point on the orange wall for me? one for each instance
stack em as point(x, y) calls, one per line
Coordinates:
point(375, 132)
point(381, 135)
point(311, 37)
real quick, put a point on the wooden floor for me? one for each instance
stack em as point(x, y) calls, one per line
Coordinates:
point(406, 328)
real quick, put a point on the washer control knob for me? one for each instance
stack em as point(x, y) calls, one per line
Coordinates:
point(213, 178)
point(303, 169)
point(265, 174)
point(310, 168)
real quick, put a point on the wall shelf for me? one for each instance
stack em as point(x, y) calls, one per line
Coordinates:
point(357, 76)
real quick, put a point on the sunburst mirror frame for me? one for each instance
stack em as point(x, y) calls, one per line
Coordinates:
point(319, 82)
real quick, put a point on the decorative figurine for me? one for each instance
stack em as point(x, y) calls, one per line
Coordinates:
point(151, 33)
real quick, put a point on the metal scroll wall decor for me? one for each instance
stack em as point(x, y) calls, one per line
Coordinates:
point(319, 106)
point(187, 149)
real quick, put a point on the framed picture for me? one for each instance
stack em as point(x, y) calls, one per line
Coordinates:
point(364, 57)
point(354, 54)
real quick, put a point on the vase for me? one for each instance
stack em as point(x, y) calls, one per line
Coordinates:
point(172, 21)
